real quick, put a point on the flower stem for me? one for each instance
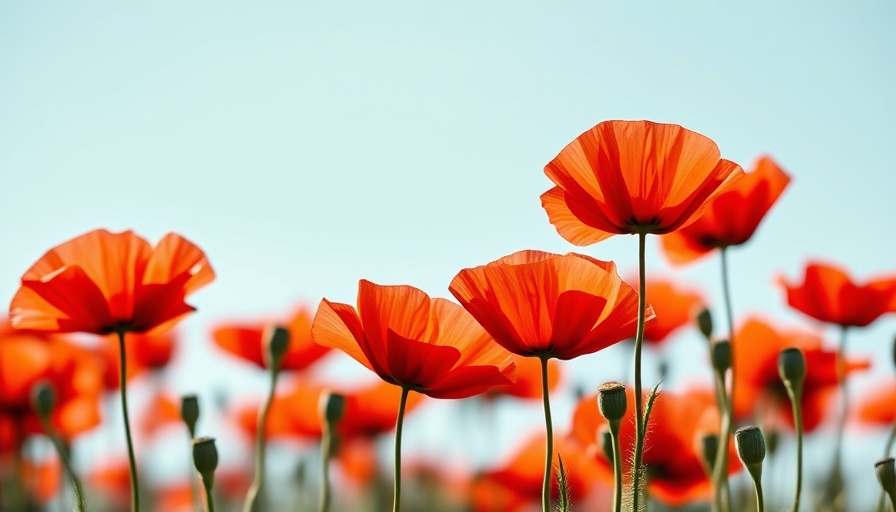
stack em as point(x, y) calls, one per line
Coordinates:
point(795, 403)
point(399, 422)
point(549, 440)
point(881, 504)
point(209, 500)
point(835, 483)
point(760, 502)
point(257, 487)
point(720, 470)
point(640, 427)
point(80, 506)
point(721, 493)
point(617, 467)
point(326, 444)
point(122, 387)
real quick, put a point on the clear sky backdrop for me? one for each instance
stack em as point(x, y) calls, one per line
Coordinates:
point(304, 146)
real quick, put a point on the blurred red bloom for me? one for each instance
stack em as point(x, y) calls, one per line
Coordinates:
point(624, 177)
point(102, 282)
point(537, 303)
point(674, 305)
point(27, 358)
point(43, 479)
point(427, 345)
point(247, 341)
point(161, 411)
point(755, 354)
point(829, 295)
point(147, 351)
point(528, 380)
point(674, 469)
point(878, 404)
point(732, 217)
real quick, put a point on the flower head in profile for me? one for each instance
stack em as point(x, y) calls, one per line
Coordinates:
point(760, 390)
point(246, 340)
point(537, 303)
point(625, 177)
point(431, 346)
point(732, 217)
point(828, 294)
point(102, 282)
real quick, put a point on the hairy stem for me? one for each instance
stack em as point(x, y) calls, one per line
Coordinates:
point(640, 427)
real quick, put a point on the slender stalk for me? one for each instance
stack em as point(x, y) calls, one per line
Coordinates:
point(399, 422)
point(209, 500)
point(617, 467)
point(721, 496)
point(257, 487)
point(640, 427)
point(881, 503)
point(549, 440)
point(122, 387)
point(326, 444)
point(760, 501)
point(835, 483)
point(80, 506)
point(798, 424)
point(720, 470)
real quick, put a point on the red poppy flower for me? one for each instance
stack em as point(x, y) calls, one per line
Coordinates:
point(878, 404)
point(103, 282)
point(428, 345)
point(759, 388)
point(829, 295)
point(732, 217)
point(674, 469)
point(146, 351)
point(673, 304)
point(537, 303)
point(247, 341)
point(624, 177)
point(528, 380)
point(162, 411)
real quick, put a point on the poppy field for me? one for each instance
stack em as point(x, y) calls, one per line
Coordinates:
point(588, 351)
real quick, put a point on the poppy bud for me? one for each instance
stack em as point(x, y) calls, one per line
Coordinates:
point(332, 407)
point(886, 475)
point(611, 401)
point(709, 447)
point(772, 438)
point(205, 458)
point(704, 322)
point(43, 399)
point(605, 438)
point(276, 344)
point(720, 353)
point(750, 448)
point(189, 412)
point(792, 368)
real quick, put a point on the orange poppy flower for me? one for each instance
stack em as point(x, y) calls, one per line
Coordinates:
point(27, 358)
point(427, 345)
point(528, 380)
point(624, 177)
point(674, 469)
point(247, 341)
point(162, 411)
point(755, 349)
point(103, 282)
point(673, 304)
point(732, 217)
point(829, 295)
point(43, 479)
point(537, 303)
point(878, 405)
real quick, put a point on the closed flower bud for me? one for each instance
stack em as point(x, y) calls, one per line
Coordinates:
point(709, 447)
point(43, 399)
point(792, 368)
point(332, 407)
point(611, 401)
point(720, 352)
point(704, 322)
point(750, 445)
point(886, 475)
point(205, 458)
point(276, 344)
point(189, 412)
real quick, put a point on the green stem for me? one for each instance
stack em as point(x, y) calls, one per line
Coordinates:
point(617, 467)
point(721, 469)
point(326, 443)
point(80, 506)
point(795, 402)
point(122, 387)
point(881, 503)
point(399, 422)
point(760, 502)
point(209, 500)
point(835, 484)
point(255, 490)
point(640, 427)
point(721, 493)
point(549, 440)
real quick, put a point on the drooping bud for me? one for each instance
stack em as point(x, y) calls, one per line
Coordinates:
point(792, 369)
point(750, 446)
point(332, 407)
point(189, 412)
point(276, 344)
point(704, 322)
point(205, 458)
point(605, 438)
point(720, 353)
point(43, 399)
point(886, 475)
point(709, 447)
point(611, 401)
point(772, 439)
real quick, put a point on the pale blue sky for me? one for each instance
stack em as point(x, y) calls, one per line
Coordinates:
point(305, 146)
